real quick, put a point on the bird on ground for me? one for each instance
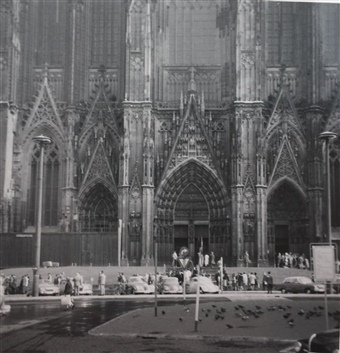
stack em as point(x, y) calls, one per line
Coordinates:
point(213, 305)
point(206, 314)
point(321, 307)
point(180, 319)
point(229, 326)
point(163, 312)
point(224, 310)
point(291, 323)
point(301, 312)
point(245, 317)
point(258, 307)
point(286, 316)
point(203, 310)
point(236, 308)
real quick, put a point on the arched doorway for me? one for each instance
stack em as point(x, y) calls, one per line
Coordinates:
point(287, 221)
point(191, 206)
point(191, 221)
point(98, 210)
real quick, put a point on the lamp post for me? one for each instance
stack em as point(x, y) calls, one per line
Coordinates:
point(326, 136)
point(155, 257)
point(42, 141)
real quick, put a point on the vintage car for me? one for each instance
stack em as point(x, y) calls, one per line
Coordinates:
point(48, 288)
point(323, 342)
point(137, 285)
point(336, 284)
point(205, 283)
point(169, 285)
point(300, 284)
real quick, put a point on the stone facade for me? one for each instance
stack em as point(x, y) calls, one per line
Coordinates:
point(190, 123)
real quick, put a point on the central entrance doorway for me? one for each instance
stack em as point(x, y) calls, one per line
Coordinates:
point(281, 238)
point(193, 237)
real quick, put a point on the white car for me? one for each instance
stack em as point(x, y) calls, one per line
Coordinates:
point(48, 288)
point(137, 285)
point(205, 283)
point(170, 285)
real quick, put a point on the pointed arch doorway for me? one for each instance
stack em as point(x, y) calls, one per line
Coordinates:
point(287, 221)
point(191, 221)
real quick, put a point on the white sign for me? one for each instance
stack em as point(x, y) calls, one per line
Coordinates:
point(24, 235)
point(324, 263)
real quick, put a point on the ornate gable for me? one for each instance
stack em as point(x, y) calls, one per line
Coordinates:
point(192, 141)
point(333, 121)
point(286, 165)
point(44, 110)
point(99, 166)
point(284, 112)
point(100, 111)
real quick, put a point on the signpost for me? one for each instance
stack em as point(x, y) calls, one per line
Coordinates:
point(324, 267)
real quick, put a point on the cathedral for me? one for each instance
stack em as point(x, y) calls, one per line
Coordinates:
point(181, 123)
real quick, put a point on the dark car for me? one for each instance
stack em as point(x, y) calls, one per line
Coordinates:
point(300, 284)
point(322, 342)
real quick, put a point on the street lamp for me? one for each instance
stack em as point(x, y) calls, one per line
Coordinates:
point(42, 141)
point(326, 136)
point(155, 257)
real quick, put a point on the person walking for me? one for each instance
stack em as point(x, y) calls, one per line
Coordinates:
point(68, 290)
point(206, 260)
point(212, 259)
point(78, 283)
point(270, 283)
point(102, 282)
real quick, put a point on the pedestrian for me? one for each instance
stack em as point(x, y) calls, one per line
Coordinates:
point(174, 259)
point(206, 260)
point(49, 278)
point(246, 259)
point(67, 301)
point(264, 281)
point(102, 282)
point(212, 259)
point(200, 258)
point(252, 281)
point(270, 283)
point(25, 284)
point(78, 283)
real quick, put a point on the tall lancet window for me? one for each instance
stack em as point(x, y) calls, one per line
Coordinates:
point(50, 186)
point(281, 33)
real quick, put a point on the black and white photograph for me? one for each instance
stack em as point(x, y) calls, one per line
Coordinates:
point(169, 176)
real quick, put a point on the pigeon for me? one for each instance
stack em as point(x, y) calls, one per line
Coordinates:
point(245, 317)
point(229, 326)
point(291, 323)
point(180, 319)
point(203, 310)
point(321, 307)
point(163, 312)
point(213, 305)
point(301, 312)
point(206, 314)
point(286, 316)
point(223, 310)
point(236, 308)
point(258, 307)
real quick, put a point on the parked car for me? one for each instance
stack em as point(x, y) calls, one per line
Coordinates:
point(336, 284)
point(137, 285)
point(300, 284)
point(205, 283)
point(322, 342)
point(170, 285)
point(48, 288)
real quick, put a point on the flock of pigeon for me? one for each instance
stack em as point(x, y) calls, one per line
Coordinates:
point(288, 313)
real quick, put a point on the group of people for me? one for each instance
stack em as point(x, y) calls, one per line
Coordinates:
point(244, 281)
point(11, 286)
point(203, 260)
point(290, 260)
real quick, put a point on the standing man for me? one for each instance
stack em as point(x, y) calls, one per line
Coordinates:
point(102, 282)
point(174, 259)
point(78, 283)
point(269, 283)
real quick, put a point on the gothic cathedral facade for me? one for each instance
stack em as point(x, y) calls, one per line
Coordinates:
point(187, 123)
